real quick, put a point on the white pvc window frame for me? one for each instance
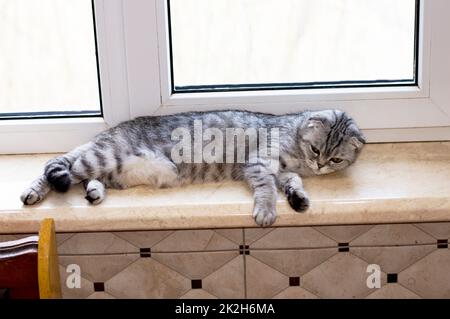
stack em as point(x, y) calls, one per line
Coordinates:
point(133, 48)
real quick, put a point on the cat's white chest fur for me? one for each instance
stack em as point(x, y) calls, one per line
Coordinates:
point(148, 169)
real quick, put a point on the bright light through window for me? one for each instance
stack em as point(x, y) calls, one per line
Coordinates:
point(48, 63)
point(245, 44)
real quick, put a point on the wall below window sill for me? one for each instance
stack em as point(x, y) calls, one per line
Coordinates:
point(390, 183)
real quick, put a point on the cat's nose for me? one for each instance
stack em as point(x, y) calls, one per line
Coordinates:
point(320, 165)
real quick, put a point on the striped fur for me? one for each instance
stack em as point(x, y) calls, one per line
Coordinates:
point(139, 152)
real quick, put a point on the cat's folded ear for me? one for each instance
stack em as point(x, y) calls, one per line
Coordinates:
point(319, 119)
point(357, 139)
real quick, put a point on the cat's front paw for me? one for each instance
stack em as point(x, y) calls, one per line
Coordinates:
point(30, 197)
point(264, 215)
point(298, 199)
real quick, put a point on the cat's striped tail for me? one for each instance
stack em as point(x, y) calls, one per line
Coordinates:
point(57, 172)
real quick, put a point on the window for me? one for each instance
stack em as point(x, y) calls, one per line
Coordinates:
point(245, 45)
point(165, 56)
point(48, 65)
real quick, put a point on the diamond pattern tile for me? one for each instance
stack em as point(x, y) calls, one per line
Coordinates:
point(195, 265)
point(194, 240)
point(263, 281)
point(437, 230)
point(95, 243)
point(430, 276)
point(293, 237)
point(227, 282)
point(392, 291)
point(99, 268)
point(343, 234)
point(341, 276)
point(281, 262)
point(295, 293)
point(293, 263)
point(393, 259)
point(147, 278)
point(393, 235)
point(69, 291)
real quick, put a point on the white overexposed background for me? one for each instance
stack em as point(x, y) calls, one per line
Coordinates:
point(282, 41)
point(47, 56)
point(47, 47)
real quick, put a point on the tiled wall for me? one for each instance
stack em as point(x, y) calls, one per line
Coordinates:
point(297, 262)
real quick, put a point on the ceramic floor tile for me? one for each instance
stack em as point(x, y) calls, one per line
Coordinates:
point(195, 265)
point(437, 230)
point(293, 237)
point(85, 289)
point(253, 234)
point(62, 237)
point(147, 278)
point(227, 282)
point(392, 291)
point(198, 294)
point(393, 259)
point(393, 235)
point(99, 268)
point(194, 240)
point(95, 243)
point(263, 281)
point(341, 276)
point(430, 276)
point(144, 239)
point(295, 293)
point(294, 263)
point(343, 234)
point(235, 235)
point(100, 295)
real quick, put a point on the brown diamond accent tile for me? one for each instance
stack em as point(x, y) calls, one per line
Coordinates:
point(195, 265)
point(194, 240)
point(99, 268)
point(392, 291)
point(196, 284)
point(147, 278)
point(430, 276)
point(294, 263)
point(143, 239)
point(99, 286)
point(393, 259)
point(343, 234)
point(263, 281)
point(228, 281)
point(95, 243)
point(293, 237)
point(294, 281)
point(295, 293)
point(437, 230)
point(341, 276)
point(393, 235)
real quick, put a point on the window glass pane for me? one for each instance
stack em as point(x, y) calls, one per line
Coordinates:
point(241, 42)
point(47, 57)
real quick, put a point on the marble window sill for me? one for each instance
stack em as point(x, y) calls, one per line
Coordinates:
point(390, 183)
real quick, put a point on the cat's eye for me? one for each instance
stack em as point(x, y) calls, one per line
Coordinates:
point(315, 150)
point(336, 160)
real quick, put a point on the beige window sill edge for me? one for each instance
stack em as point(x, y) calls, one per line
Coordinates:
point(390, 183)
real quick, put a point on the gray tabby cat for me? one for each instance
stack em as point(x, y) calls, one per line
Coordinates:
point(138, 152)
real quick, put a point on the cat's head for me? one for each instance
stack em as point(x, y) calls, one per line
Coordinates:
point(330, 141)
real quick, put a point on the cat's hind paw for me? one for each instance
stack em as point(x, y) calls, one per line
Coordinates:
point(95, 192)
point(298, 200)
point(30, 197)
point(264, 216)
